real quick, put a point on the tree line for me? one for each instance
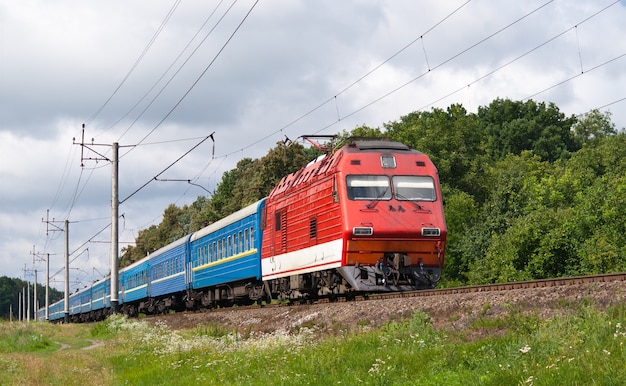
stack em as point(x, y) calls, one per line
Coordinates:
point(11, 291)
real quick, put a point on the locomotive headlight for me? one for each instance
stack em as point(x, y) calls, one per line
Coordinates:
point(431, 232)
point(363, 231)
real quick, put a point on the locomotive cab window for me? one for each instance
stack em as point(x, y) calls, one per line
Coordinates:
point(412, 188)
point(368, 187)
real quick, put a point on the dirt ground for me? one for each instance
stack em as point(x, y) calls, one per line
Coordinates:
point(451, 312)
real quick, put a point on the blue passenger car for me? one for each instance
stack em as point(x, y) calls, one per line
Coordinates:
point(75, 305)
point(100, 292)
point(228, 251)
point(85, 300)
point(134, 281)
point(168, 267)
point(56, 311)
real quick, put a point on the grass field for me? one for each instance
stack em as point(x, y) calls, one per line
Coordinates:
point(580, 348)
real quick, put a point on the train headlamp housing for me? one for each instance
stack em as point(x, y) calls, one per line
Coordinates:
point(363, 231)
point(431, 232)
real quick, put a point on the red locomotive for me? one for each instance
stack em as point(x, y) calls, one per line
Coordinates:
point(365, 218)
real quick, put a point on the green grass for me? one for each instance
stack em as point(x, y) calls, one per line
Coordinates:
point(584, 346)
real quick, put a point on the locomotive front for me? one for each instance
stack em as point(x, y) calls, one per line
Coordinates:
point(394, 230)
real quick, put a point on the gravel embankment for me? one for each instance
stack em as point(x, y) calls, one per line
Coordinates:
point(452, 312)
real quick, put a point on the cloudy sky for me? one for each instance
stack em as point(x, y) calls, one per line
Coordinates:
point(160, 76)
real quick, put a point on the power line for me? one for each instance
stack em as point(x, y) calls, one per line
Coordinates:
point(169, 166)
point(577, 75)
point(94, 115)
point(490, 72)
point(169, 68)
point(401, 86)
point(193, 85)
point(436, 67)
point(138, 60)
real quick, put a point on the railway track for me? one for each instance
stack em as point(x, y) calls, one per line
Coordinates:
point(448, 307)
point(543, 283)
point(530, 284)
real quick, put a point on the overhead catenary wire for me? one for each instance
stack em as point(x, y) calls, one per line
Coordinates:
point(361, 78)
point(353, 83)
point(576, 76)
point(137, 61)
point(173, 76)
point(526, 53)
point(195, 83)
point(490, 72)
point(197, 80)
point(164, 170)
point(395, 89)
point(438, 66)
point(76, 190)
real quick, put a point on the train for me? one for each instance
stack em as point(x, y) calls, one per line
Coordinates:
point(364, 218)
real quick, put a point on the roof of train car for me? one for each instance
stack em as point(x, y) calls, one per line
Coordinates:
point(316, 168)
point(379, 145)
point(159, 251)
point(240, 214)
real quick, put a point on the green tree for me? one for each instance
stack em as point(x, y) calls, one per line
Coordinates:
point(461, 211)
point(279, 162)
point(452, 139)
point(515, 126)
point(593, 127)
point(362, 131)
point(10, 291)
point(511, 180)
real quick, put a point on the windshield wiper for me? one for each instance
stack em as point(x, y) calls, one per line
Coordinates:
point(418, 206)
point(375, 201)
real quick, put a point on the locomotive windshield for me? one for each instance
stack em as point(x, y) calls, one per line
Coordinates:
point(368, 187)
point(414, 188)
point(376, 187)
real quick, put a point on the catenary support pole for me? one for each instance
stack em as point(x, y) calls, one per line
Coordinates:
point(66, 306)
point(114, 229)
point(28, 301)
point(35, 305)
point(47, 316)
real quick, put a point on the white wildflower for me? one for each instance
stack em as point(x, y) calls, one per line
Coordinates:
point(525, 349)
point(376, 366)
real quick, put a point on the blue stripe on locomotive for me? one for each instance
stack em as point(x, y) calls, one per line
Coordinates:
point(167, 268)
point(229, 249)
